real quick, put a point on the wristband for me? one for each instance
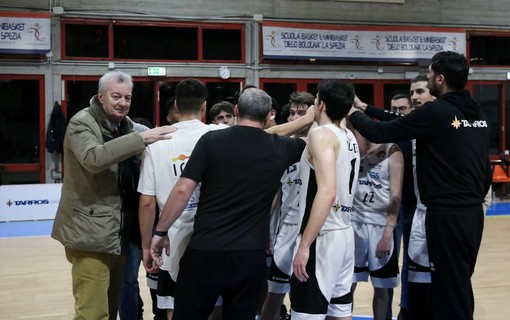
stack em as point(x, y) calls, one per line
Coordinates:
point(159, 233)
point(391, 225)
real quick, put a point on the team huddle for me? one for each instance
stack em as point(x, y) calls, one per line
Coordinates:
point(330, 192)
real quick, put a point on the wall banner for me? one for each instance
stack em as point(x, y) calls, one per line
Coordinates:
point(25, 33)
point(22, 202)
point(280, 42)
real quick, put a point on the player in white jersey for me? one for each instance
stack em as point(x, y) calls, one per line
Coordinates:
point(417, 303)
point(418, 259)
point(374, 217)
point(324, 260)
point(420, 270)
point(161, 168)
point(288, 220)
point(418, 265)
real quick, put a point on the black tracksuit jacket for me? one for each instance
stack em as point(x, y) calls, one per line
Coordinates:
point(452, 148)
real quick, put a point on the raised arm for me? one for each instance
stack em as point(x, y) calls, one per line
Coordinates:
point(95, 155)
point(289, 128)
point(377, 113)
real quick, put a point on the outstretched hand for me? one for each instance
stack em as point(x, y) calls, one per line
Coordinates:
point(158, 133)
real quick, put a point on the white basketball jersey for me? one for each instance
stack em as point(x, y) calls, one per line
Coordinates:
point(372, 197)
point(164, 161)
point(347, 168)
point(291, 184)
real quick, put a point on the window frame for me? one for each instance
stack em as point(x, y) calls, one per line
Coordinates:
point(65, 22)
point(378, 85)
point(470, 33)
point(32, 167)
point(110, 23)
point(156, 82)
point(501, 85)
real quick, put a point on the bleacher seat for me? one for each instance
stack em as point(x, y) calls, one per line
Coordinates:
point(499, 174)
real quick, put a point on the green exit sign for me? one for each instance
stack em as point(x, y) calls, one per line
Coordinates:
point(156, 71)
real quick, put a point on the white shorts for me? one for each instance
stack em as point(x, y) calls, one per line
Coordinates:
point(383, 272)
point(278, 280)
point(167, 302)
point(152, 280)
point(165, 290)
point(418, 265)
point(330, 269)
point(179, 235)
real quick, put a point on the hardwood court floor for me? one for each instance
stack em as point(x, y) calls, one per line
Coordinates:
point(35, 278)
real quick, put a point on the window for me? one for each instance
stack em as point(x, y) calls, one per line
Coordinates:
point(489, 50)
point(78, 95)
point(27, 57)
point(222, 44)
point(19, 121)
point(488, 95)
point(166, 92)
point(162, 41)
point(155, 43)
point(21, 130)
point(83, 40)
point(142, 104)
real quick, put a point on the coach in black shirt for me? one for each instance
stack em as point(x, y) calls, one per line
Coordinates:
point(226, 254)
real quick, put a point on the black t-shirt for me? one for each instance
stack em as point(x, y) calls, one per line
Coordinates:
point(239, 169)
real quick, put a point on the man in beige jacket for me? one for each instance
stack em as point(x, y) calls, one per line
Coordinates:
point(89, 219)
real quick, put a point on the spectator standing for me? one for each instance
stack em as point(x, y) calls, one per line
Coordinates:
point(90, 215)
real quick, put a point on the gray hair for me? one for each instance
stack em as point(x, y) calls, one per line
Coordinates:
point(254, 104)
point(117, 76)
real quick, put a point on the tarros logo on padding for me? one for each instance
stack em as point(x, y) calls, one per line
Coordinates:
point(30, 202)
